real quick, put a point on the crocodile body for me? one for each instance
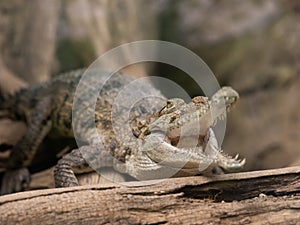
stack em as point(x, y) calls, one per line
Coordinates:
point(149, 139)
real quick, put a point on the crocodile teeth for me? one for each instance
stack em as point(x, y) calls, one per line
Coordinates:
point(236, 156)
point(215, 122)
point(243, 162)
point(222, 117)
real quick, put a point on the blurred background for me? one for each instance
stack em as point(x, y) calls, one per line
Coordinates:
point(251, 45)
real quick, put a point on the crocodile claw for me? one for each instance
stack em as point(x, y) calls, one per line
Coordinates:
point(15, 181)
point(231, 164)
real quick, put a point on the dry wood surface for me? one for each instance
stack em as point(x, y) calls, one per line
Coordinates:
point(259, 197)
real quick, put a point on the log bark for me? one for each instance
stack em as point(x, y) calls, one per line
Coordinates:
point(259, 197)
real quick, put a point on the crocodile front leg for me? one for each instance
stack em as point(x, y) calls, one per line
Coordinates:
point(17, 176)
point(82, 160)
point(64, 171)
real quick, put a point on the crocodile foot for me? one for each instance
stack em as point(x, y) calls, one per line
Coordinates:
point(15, 181)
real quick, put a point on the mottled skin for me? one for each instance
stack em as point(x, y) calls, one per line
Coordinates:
point(165, 137)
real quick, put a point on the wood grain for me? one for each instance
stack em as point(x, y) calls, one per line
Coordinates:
point(259, 197)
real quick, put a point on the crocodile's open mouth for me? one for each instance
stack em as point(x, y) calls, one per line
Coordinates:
point(174, 141)
point(192, 134)
point(184, 125)
point(182, 137)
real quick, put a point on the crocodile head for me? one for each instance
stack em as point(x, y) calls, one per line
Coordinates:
point(180, 137)
point(178, 119)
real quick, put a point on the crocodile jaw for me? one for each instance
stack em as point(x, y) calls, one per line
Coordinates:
point(156, 159)
point(180, 139)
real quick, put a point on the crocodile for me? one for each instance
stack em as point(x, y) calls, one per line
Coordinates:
point(153, 138)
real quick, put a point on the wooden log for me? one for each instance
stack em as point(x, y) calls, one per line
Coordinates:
point(259, 197)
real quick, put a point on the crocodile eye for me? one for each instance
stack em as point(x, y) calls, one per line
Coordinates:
point(169, 104)
point(166, 109)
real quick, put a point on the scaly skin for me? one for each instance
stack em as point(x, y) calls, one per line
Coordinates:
point(165, 137)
